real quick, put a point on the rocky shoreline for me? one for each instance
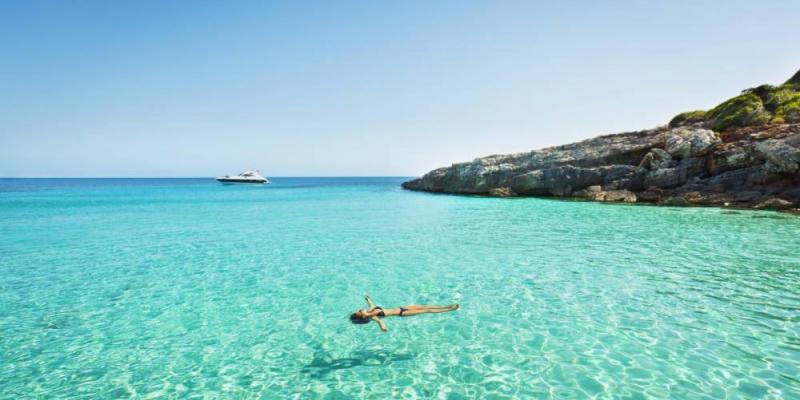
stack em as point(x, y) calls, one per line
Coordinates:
point(744, 153)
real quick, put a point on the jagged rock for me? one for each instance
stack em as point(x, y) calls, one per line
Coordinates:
point(615, 185)
point(656, 159)
point(485, 173)
point(774, 204)
point(609, 167)
point(792, 194)
point(783, 154)
point(665, 178)
point(623, 184)
point(619, 196)
point(616, 172)
point(634, 183)
point(652, 194)
point(753, 153)
point(563, 180)
point(719, 199)
point(738, 179)
point(730, 157)
point(678, 146)
point(695, 197)
point(684, 143)
point(695, 167)
point(501, 192)
point(747, 196)
point(594, 192)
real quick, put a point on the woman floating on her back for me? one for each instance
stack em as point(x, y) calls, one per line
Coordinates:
point(375, 313)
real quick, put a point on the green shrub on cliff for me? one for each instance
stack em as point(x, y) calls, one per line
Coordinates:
point(788, 110)
point(755, 106)
point(743, 110)
point(782, 102)
point(763, 91)
point(688, 118)
point(773, 96)
point(779, 96)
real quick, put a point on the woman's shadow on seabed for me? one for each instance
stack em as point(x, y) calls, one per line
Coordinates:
point(323, 364)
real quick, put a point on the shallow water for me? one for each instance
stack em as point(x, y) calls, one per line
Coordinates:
point(188, 288)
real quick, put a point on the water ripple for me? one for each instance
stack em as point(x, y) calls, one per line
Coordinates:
point(192, 289)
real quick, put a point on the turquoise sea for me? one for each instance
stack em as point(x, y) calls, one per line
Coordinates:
point(185, 288)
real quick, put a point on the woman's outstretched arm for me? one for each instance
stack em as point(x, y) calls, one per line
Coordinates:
point(369, 301)
point(380, 323)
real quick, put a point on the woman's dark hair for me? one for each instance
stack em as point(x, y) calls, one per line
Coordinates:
point(358, 320)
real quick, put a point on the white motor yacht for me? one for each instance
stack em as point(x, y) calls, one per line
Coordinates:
point(244, 177)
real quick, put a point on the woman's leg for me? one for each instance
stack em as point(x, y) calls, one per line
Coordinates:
point(427, 307)
point(420, 309)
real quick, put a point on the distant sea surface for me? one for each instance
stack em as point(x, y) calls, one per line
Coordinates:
point(154, 288)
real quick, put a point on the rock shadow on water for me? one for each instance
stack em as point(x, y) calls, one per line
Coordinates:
point(324, 363)
point(770, 216)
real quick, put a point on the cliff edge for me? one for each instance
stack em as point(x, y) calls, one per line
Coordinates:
point(745, 152)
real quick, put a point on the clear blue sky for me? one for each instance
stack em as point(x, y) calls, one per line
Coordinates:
point(171, 88)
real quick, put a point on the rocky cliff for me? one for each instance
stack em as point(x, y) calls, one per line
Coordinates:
point(744, 152)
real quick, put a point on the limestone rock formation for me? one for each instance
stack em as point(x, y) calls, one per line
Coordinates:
point(751, 158)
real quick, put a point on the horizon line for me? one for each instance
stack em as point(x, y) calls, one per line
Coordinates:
point(201, 177)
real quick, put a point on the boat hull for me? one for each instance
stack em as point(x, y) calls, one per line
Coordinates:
point(234, 181)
